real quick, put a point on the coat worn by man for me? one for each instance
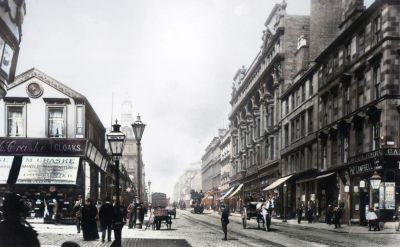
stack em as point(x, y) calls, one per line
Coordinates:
point(106, 215)
point(89, 226)
point(225, 221)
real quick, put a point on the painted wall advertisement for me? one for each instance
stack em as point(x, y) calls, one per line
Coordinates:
point(48, 170)
point(5, 167)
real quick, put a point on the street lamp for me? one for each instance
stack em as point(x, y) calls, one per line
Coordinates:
point(116, 141)
point(284, 201)
point(149, 183)
point(375, 181)
point(138, 129)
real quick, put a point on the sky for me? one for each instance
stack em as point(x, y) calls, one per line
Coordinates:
point(173, 59)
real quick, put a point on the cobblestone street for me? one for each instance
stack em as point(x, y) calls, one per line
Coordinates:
point(204, 230)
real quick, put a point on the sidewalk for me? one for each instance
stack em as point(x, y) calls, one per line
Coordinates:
point(389, 227)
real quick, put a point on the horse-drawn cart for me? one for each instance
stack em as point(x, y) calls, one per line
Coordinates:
point(161, 215)
point(252, 210)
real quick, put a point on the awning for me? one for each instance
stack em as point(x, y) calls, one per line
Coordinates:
point(5, 167)
point(227, 193)
point(48, 170)
point(316, 178)
point(235, 192)
point(277, 183)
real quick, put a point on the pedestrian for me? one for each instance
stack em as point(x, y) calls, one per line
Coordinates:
point(77, 211)
point(329, 214)
point(310, 212)
point(132, 211)
point(106, 219)
point(299, 212)
point(55, 211)
point(371, 217)
point(14, 230)
point(118, 223)
point(378, 219)
point(267, 209)
point(338, 215)
point(89, 226)
point(224, 220)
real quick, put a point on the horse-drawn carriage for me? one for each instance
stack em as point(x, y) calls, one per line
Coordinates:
point(252, 210)
point(161, 215)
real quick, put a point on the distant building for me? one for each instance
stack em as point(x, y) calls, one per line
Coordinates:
point(189, 181)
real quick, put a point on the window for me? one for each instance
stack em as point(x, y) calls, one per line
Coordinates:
point(272, 116)
point(287, 106)
point(272, 148)
point(359, 139)
point(311, 89)
point(334, 151)
point(345, 148)
point(286, 133)
point(347, 57)
point(56, 124)
point(360, 91)
point(303, 93)
point(377, 81)
point(297, 97)
point(79, 120)
point(293, 106)
point(15, 120)
point(376, 132)
point(361, 43)
point(335, 106)
point(303, 125)
point(297, 128)
point(377, 28)
point(324, 112)
point(292, 131)
point(310, 120)
point(309, 158)
point(346, 99)
point(324, 156)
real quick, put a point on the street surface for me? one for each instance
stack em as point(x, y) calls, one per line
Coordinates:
point(204, 230)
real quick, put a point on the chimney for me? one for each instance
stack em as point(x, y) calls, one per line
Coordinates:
point(325, 18)
point(352, 9)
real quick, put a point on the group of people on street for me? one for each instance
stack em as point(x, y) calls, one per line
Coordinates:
point(333, 215)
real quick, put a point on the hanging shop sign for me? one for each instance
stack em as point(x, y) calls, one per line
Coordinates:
point(48, 170)
point(44, 146)
point(5, 167)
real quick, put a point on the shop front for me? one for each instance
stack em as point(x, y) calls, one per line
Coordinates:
point(51, 173)
point(382, 165)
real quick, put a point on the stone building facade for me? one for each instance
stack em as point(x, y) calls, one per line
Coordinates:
point(317, 112)
point(256, 109)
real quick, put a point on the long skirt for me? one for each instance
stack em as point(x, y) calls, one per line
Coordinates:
point(89, 229)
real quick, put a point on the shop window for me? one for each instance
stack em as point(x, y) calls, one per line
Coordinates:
point(15, 121)
point(56, 122)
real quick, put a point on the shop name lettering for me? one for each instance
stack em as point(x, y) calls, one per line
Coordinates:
point(377, 153)
point(13, 147)
point(363, 168)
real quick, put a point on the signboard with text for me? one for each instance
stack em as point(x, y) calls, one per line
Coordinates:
point(43, 146)
point(48, 170)
point(5, 167)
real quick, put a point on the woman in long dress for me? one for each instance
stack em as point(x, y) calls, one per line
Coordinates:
point(89, 226)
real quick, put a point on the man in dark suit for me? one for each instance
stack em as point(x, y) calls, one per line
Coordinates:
point(224, 220)
point(106, 219)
